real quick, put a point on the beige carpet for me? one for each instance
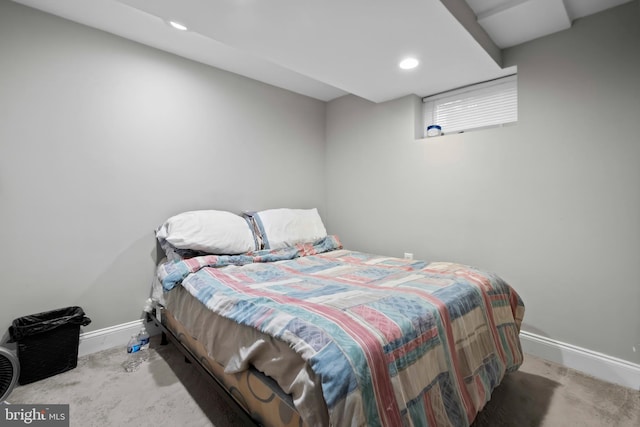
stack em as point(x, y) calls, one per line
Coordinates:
point(165, 391)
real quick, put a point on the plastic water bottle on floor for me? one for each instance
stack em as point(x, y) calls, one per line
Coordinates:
point(143, 339)
point(133, 355)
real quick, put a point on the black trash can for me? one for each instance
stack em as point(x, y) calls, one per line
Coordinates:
point(47, 342)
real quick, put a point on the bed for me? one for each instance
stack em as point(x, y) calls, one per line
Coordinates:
point(301, 331)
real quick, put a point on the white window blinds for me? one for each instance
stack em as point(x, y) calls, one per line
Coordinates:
point(486, 104)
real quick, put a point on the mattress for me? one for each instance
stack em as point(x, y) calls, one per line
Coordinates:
point(233, 351)
point(354, 338)
point(258, 395)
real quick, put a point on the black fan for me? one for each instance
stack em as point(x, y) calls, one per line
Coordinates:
point(9, 372)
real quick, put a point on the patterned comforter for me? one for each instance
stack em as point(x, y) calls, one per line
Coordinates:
point(393, 341)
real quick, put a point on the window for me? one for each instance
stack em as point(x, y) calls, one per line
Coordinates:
point(488, 104)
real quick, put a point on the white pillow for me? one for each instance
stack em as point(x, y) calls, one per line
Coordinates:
point(211, 231)
point(286, 227)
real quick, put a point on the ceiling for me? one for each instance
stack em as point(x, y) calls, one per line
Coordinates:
point(328, 48)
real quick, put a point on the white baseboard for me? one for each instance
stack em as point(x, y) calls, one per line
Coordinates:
point(601, 366)
point(113, 336)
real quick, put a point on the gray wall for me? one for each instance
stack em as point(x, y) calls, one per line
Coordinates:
point(102, 139)
point(551, 204)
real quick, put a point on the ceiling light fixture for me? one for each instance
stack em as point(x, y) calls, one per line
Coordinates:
point(177, 26)
point(408, 63)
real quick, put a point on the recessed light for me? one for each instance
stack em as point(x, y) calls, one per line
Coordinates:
point(408, 63)
point(177, 26)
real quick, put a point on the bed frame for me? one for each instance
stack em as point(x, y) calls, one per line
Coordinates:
point(256, 398)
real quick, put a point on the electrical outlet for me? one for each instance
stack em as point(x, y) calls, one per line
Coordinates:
point(408, 255)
